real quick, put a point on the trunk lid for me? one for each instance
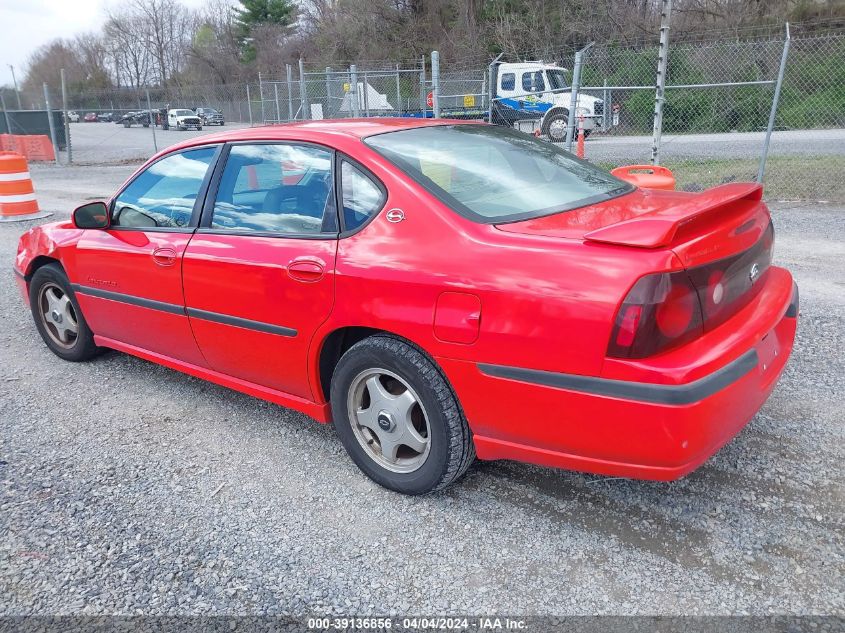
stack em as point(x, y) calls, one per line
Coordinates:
point(698, 227)
point(723, 237)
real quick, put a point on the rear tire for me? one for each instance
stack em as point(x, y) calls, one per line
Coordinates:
point(384, 391)
point(58, 317)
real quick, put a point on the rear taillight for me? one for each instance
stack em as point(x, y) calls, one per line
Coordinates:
point(668, 309)
point(726, 285)
point(660, 311)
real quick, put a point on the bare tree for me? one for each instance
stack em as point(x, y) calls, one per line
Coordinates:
point(131, 62)
point(214, 51)
point(161, 42)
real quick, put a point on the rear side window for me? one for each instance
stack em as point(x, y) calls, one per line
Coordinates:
point(276, 188)
point(362, 198)
point(493, 174)
point(163, 195)
point(508, 81)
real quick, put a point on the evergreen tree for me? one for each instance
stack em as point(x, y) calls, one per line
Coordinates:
point(258, 13)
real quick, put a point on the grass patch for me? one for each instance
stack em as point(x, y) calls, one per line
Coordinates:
point(787, 177)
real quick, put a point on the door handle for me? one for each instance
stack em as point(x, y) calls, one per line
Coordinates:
point(164, 256)
point(306, 270)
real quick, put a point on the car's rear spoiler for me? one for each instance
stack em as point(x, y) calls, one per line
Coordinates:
point(658, 228)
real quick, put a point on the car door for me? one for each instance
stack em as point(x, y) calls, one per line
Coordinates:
point(259, 273)
point(128, 277)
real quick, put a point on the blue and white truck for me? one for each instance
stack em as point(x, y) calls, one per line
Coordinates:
point(531, 96)
point(537, 93)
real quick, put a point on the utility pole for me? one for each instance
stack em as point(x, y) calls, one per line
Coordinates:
point(15, 82)
point(65, 119)
point(761, 171)
point(5, 114)
point(152, 120)
point(51, 122)
point(660, 91)
point(575, 88)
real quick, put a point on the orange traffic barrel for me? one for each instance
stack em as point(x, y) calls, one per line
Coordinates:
point(646, 176)
point(17, 196)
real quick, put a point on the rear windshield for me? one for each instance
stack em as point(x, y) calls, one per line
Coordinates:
point(492, 174)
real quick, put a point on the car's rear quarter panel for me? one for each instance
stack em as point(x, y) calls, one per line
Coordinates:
point(546, 303)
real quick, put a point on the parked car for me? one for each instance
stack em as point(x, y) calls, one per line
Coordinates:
point(182, 119)
point(91, 117)
point(141, 118)
point(73, 116)
point(107, 117)
point(210, 116)
point(436, 289)
point(124, 118)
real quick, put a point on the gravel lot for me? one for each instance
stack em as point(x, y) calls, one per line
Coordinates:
point(129, 488)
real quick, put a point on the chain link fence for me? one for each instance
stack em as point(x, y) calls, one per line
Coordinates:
point(717, 103)
point(718, 100)
point(373, 90)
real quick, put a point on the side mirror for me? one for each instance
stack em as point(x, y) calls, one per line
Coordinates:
point(94, 215)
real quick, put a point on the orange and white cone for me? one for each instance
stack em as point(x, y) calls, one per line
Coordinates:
point(17, 195)
point(579, 148)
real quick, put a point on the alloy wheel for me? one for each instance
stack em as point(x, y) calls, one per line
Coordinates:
point(58, 316)
point(388, 420)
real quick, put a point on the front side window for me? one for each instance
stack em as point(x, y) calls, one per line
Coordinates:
point(362, 198)
point(492, 174)
point(533, 81)
point(508, 81)
point(276, 188)
point(163, 195)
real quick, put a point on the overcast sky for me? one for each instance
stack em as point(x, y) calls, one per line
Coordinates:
point(27, 24)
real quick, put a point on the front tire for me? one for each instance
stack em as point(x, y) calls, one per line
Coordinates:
point(398, 418)
point(555, 127)
point(57, 315)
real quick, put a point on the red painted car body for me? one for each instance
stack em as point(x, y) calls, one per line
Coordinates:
point(518, 316)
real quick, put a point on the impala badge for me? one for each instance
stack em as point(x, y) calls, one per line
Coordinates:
point(754, 273)
point(395, 215)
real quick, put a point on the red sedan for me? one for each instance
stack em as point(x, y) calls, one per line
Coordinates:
point(439, 290)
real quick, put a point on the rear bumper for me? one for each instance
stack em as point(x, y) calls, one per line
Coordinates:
point(626, 428)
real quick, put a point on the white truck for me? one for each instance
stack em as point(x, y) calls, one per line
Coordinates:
point(182, 119)
point(531, 96)
point(538, 92)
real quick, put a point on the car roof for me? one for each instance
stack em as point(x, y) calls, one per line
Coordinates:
point(318, 131)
